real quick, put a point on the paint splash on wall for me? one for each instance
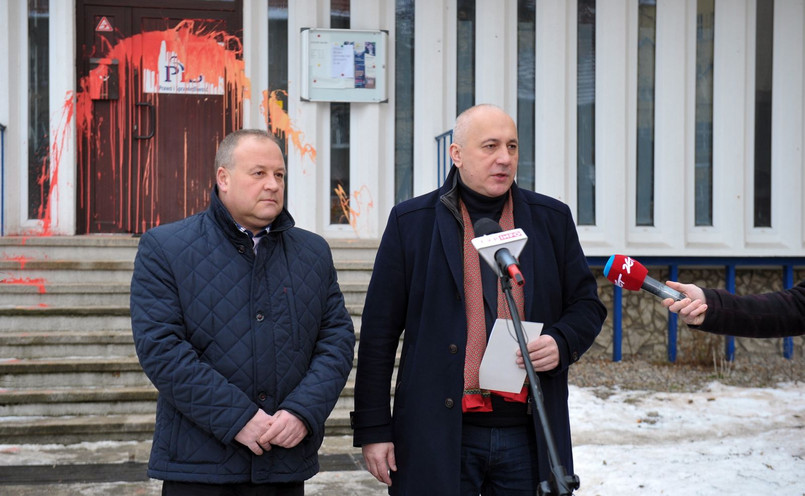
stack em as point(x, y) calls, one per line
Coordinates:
point(279, 123)
point(363, 202)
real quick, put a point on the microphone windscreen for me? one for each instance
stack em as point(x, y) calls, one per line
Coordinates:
point(486, 226)
point(625, 272)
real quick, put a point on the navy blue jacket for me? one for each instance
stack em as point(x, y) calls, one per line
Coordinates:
point(417, 287)
point(221, 332)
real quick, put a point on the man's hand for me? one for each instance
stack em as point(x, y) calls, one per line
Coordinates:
point(543, 353)
point(692, 308)
point(249, 436)
point(379, 458)
point(285, 430)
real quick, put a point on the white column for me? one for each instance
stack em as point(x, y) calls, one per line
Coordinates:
point(369, 149)
point(555, 87)
point(309, 157)
point(496, 54)
point(434, 84)
point(255, 61)
point(61, 30)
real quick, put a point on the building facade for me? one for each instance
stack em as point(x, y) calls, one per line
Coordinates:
point(671, 128)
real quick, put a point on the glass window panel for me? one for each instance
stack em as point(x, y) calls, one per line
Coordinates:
point(703, 186)
point(465, 56)
point(278, 58)
point(764, 51)
point(339, 134)
point(38, 108)
point(585, 113)
point(404, 101)
point(646, 43)
point(526, 80)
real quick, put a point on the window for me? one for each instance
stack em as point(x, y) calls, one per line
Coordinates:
point(38, 108)
point(278, 58)
point(465, 56)
point(404, 101)
point(526, 81)
point(646, 44)
point(703, 180)
point(339, 134)
point(764, 51)
point(585, 113)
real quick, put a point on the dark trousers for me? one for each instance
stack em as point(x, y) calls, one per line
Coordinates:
point(173, 488)
point(498, 461)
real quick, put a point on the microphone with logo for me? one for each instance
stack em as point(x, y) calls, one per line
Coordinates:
point(626, 272)
point(500, 248)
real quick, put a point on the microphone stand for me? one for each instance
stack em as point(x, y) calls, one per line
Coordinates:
point(559, 484)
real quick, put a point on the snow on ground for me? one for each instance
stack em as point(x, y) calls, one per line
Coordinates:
point(722, 440)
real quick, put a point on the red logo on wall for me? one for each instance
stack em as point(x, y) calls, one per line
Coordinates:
point(104, 25)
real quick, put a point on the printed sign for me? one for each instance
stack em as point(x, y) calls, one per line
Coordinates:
point(169, 77)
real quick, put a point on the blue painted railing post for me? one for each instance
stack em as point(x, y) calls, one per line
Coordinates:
point(617, 323)
point(788, 283)
point(672, 318)
point(2, 180)
point(443, 161)
point(730, 343)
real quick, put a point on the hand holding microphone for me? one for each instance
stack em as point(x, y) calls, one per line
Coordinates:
point(692, 308)
point(626, 272)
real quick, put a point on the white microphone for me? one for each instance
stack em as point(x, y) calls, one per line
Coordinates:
point(500, 248)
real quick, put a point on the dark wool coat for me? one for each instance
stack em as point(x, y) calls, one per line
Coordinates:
point(417, 286)
point(222, 333)
point(769, 315)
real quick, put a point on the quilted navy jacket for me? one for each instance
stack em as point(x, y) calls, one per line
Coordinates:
point(221, 332)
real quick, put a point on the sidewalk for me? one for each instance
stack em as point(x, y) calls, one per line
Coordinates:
point(101, 469)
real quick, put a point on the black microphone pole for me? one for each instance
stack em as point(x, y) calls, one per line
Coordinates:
point(560, 484)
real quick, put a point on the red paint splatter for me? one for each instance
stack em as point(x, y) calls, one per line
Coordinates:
point(279, 123)
point(22, 260)
point(26, 281)
point(203, 53)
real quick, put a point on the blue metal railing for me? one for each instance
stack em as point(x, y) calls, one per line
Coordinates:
point(2, 180)
point(673, 263)
point(443, 161)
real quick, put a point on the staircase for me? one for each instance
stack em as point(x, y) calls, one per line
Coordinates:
point(68, 369)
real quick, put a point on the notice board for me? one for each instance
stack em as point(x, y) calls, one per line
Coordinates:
point(344, 65)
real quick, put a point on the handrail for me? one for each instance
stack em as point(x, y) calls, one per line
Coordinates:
point(443, 161)
point(2, 179)
point(673, 264)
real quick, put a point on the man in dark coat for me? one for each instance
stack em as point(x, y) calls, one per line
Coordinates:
point(240, 324)
point(770, 315)
point(428, 281)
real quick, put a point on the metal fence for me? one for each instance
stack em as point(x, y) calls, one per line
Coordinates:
point(730, 264)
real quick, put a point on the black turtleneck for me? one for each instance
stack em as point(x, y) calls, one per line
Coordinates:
point(504, 413)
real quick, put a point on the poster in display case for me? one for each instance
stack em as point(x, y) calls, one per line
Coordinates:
point(344, 65)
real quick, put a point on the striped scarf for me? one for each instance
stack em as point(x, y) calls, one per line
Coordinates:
point(476, 399)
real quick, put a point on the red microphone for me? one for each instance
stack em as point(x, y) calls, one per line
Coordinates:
point(626, 272)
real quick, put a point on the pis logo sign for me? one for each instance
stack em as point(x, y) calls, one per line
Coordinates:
point(168, 77)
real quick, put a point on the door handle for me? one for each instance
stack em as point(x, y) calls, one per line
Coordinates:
point(152, 116)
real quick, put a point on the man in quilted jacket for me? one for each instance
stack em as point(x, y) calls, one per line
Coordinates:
point(239, 322)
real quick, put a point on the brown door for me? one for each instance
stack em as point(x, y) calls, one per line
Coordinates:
point(158, 89)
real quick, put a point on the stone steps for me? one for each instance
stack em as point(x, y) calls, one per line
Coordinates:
point(68, 370)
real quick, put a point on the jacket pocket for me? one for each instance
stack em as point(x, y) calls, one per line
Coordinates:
point(294, 323)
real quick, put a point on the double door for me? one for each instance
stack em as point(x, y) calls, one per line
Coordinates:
point(158, 88)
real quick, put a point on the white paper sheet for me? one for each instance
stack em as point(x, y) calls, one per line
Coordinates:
point(499, 370)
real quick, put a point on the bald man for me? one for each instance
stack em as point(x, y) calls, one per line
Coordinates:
point(446, 435)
